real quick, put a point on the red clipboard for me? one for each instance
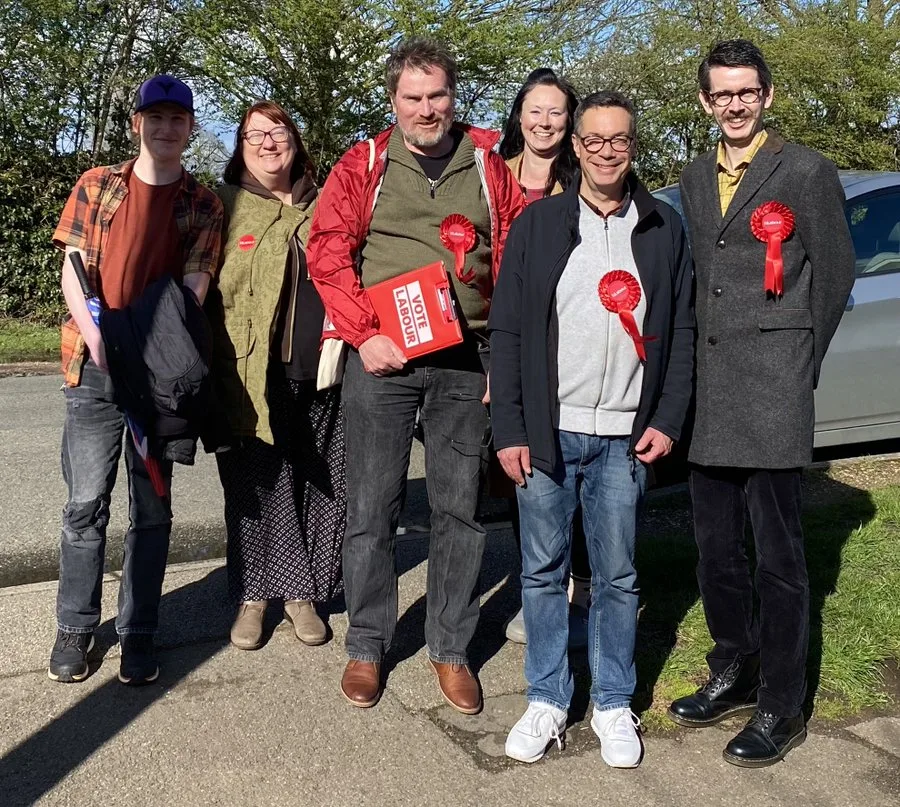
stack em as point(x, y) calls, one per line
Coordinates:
point(416, 310)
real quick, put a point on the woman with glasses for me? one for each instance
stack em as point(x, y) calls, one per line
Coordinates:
point(537, 147)
point(283, 474)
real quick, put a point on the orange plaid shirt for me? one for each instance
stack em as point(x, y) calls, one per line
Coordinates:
point(85, 222)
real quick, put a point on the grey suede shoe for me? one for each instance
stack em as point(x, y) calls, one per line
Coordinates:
point(578, 628)
point(247, 630)
point(308, 628)
point(515, 628)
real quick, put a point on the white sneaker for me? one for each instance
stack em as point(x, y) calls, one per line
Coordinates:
point(537, 728)
point(620, 743)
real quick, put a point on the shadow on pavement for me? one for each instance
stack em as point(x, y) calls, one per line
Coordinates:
point(499, 562)
point(196, 611)
point(199, 612)
point(667, 558)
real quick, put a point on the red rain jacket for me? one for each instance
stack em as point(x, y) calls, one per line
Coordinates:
point(344, 211)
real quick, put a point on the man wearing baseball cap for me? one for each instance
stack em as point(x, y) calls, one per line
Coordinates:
point(164, 90)
point(132, 224)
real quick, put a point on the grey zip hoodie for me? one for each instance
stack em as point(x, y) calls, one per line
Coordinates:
point(599, 371)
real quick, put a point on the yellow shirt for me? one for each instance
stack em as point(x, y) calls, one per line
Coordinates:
point(729, 179)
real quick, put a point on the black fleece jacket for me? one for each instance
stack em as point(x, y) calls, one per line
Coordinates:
point(524, 331)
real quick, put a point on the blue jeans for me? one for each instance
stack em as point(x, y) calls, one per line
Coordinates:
point(598, 472)
point(91, 445)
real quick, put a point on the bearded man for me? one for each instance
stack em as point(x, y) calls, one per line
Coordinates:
point(382, 213)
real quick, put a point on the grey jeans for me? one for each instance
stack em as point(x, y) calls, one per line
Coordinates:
point(91, 445)
point(379, 416)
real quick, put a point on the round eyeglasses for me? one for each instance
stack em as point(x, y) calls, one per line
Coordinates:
point(593, 144)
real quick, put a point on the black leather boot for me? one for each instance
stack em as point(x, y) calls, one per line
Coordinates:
point(725, 694)
point(765, 740)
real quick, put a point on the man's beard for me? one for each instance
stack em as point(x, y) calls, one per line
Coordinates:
point(420, 139)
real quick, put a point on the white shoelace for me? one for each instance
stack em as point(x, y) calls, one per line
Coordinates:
point(625, 726)
point(536, 713)
point(554, 735)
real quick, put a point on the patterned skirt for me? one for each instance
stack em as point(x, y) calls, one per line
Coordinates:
point(286, 504)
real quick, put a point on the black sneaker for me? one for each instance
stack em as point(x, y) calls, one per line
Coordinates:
point(68, 659)
point(138, 665)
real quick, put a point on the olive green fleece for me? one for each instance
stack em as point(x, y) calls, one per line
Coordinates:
point(404, 233)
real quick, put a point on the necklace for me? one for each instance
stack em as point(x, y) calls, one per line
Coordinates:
point(530, 194)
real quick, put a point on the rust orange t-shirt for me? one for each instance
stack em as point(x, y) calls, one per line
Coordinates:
point(143, 243)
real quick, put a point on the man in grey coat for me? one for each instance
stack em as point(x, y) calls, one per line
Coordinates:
point(774, 267)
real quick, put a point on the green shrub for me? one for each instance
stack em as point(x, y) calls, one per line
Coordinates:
point(33, 189)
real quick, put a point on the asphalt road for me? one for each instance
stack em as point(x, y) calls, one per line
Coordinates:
point(32, 492)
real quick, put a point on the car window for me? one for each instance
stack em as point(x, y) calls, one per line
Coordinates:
point(875, 227)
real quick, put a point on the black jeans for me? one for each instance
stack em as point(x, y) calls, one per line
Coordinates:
point(781, 634)
point(379, 418)
point(91, 445)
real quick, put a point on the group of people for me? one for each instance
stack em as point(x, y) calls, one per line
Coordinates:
point(596, 335)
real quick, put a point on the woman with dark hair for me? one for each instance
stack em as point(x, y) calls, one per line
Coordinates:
point(537, 146)
point(537, 140)
point(283, 475)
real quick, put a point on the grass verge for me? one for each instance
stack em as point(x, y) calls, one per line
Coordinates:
point(21, 340)
point(853, 556)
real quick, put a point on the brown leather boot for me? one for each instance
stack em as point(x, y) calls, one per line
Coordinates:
point(458, 686)
point(361, 683)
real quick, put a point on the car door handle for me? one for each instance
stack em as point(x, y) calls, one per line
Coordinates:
point(850, 303)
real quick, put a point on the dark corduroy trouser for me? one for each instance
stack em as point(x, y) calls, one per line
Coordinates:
point(721, 497)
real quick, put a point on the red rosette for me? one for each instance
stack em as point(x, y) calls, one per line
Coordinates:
point(620, 293)
point(771, 223)
point(458, 235)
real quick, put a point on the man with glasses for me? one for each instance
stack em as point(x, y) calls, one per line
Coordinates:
point(774, 264)
point(592, 341)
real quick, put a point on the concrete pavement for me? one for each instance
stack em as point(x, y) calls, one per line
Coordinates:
point(270, 728)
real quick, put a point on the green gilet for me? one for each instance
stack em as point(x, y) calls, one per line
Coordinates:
point(404, 233)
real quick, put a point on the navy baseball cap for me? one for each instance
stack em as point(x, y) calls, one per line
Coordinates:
point(164, 90)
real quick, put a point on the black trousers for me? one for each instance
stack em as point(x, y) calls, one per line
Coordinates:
point(721, 498)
